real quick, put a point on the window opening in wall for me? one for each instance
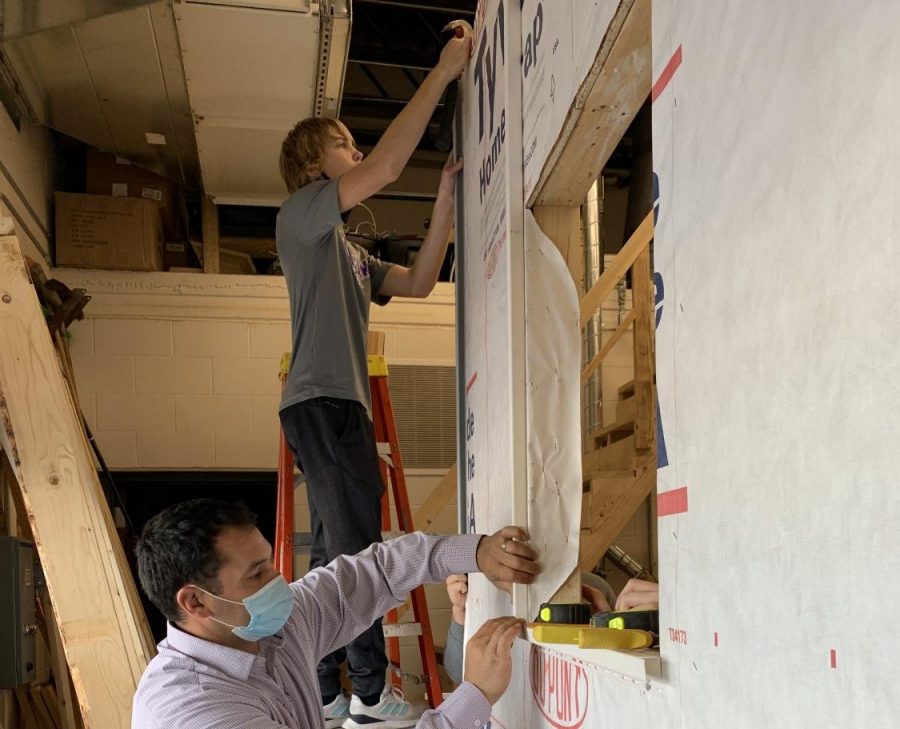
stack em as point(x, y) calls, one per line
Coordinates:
point(615, 206)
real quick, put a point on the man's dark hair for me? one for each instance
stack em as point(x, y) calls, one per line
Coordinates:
point(178, 547)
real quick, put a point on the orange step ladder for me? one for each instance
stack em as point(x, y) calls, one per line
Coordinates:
point(392, 474)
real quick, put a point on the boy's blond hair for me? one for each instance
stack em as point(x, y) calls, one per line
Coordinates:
point(302, 150)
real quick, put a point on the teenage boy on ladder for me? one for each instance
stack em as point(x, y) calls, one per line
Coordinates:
point(325, 407)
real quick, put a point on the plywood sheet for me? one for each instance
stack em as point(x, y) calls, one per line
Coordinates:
point(100, 621)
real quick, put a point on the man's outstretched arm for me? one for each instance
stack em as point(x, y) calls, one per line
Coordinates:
point(339, 601)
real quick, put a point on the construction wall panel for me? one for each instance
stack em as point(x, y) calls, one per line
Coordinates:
point(522, 347)
point(560, 39)
point(774, 147)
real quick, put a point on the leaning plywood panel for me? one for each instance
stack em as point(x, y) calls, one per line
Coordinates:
point(775, 143)
point(101, 624)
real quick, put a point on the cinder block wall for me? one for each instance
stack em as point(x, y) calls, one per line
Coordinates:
point(180, 372)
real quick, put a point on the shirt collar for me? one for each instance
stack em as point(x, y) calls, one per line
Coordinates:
point(231, 661)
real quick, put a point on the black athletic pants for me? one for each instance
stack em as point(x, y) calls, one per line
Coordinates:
point(334, 443)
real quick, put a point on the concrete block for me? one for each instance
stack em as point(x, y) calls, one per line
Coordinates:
point(193, 449)
point(104, 373)
point(246, 376)
point(212, 339)
point(133, 336)
point(270, 341)
point(119, 447)
point(173, 375)
point(423, 344)
point(264, 416)
point(213, 413)
point(245, 450)
point(135, 412)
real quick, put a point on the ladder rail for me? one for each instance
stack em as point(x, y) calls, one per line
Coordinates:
point(394, 480)
point(283, 549)
point(386, 430)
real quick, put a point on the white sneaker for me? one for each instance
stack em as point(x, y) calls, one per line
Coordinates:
point(336, 712)
point(392, 712)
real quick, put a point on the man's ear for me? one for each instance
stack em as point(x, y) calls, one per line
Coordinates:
point(192, 602)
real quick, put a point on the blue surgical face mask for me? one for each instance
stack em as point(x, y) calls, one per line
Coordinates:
point(269, 609)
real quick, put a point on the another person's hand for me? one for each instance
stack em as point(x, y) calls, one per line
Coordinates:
point(596, 599)
point(638, 595)
point(457, 51)
point(458, 590)
point(488, 661)
point(505, 558)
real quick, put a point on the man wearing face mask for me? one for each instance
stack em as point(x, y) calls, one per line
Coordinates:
point(242, 644)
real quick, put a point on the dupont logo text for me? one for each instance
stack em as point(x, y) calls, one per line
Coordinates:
point(560, 689)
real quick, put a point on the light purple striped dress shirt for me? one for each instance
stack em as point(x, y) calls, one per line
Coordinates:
point(196, 684)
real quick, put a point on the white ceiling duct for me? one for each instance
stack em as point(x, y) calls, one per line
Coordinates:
point(201, 91)
point(253, 69)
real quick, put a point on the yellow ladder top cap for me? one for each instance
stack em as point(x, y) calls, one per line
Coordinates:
point(377, 365)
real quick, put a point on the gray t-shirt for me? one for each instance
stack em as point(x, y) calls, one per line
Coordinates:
point(330, 282)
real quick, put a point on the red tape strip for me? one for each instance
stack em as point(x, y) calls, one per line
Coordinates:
point(672, 502)
point(666, 75)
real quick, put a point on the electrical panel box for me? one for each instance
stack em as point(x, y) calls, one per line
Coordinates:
point(18, 624)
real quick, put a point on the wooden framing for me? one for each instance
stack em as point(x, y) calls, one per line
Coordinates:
point(609, 99)
point(436, 501)
point(102, 627)
point(210, 222)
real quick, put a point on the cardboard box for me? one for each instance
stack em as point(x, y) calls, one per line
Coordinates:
point(108, 174)
point(179, 254)
point(97, 231)
point(231, 262)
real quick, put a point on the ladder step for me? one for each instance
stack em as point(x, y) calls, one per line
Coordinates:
point(401, 630)
point(303, 540)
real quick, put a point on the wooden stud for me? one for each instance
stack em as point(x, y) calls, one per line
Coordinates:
point(40, 710)
point(375, 342)
point(642, 307)
point(102, 631)
point(48, 696)
point(438, 498)
point(607, 347)
point(210, 220)
point(616, 457)
point(562, 225)
point(638, 242)
point(613, 503)
point(63, 693)
point(609, 98)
